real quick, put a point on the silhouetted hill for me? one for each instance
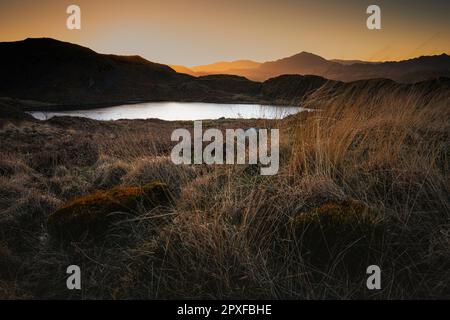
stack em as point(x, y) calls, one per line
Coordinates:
point(11, 111)
point(231, 84)
point(292, 89)
point(59, 72)
point(408, 71)
point(302, 63)
point(71, 76)
point(183, 69)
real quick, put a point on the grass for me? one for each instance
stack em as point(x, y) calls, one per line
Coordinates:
point(363, 181)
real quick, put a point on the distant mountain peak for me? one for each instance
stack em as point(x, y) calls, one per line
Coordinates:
point(305, 54)
point(299, 58)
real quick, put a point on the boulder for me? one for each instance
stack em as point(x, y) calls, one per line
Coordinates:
point(92, 214)
point(345, 231)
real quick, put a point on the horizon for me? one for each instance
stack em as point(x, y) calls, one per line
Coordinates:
point(229, 61)
point(217, 31)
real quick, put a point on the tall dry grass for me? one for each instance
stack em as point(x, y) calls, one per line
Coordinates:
point(362, 141)
point(364, 180)
point(389, 152)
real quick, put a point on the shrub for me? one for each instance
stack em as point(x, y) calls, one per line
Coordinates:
point(204, 192)
point(195, 250)
point(159, 168)
point(68, 184)
point(21, 224)
point(92, 214)
point(11, 167)
point(68, 152)
point(31, 207)
point(108, 175)
point(9, 192)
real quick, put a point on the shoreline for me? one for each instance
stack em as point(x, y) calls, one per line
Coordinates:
point(50, 107)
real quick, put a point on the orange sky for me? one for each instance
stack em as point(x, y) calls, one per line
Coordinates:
point(193, 32)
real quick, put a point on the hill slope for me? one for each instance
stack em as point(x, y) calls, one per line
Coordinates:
point(59, 72)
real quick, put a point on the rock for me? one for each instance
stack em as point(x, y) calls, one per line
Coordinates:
point(347, 230)
point(92, 214)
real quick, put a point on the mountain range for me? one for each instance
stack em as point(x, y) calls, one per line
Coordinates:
point(66, 76)
point(407, 71)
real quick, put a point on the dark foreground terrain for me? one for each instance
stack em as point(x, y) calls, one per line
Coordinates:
point(364, 181)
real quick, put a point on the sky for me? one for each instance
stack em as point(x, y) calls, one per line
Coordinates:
point(196, 32)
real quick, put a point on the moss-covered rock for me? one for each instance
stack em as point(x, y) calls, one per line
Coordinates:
point(92, 214)
point(345, 231)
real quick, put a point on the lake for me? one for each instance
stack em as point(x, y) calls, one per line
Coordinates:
point(177, 111)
